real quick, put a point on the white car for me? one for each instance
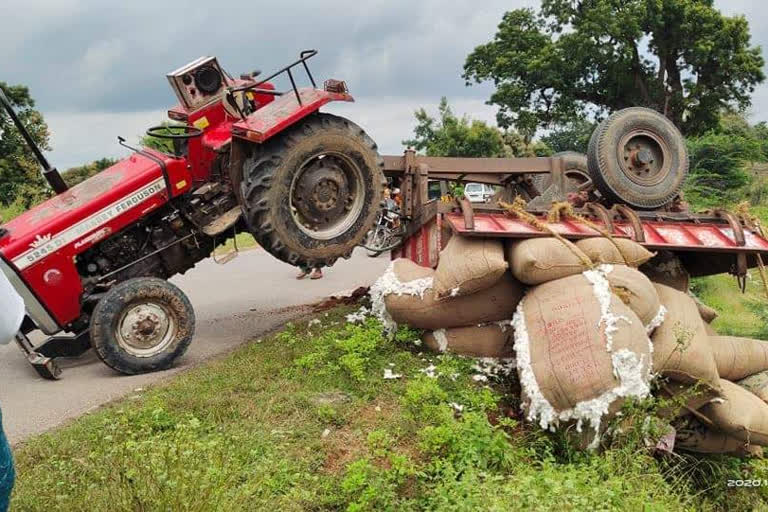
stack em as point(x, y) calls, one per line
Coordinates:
point(478, 192)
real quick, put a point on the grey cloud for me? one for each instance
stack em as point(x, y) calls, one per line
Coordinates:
point(90, 56)
point(97, 68)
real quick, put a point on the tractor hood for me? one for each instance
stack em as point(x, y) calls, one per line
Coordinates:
point(82, 211)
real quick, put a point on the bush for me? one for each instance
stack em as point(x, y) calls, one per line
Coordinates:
point(717, 169)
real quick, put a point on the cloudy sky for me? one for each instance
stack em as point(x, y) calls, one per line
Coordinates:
point(97, 68)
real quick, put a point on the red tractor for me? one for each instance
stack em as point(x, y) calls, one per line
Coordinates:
point(94, 260)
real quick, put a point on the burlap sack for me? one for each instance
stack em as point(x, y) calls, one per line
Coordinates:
point(667, 269)
point(636, 290)
point(427, 312)
point(739, 413)
point(539, 260)
point(622, 252)
point(756, 384)
point(695, 436)
point(684, 398)
point(468, 265)
point(681, 347)
point(569, 353)
point(707, 313)
point(480, 341)
point(737, 358)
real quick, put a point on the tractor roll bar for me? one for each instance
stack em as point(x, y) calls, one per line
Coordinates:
point(50, 173)
point(303, 57)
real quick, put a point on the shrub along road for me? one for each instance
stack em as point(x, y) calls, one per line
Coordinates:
point(235, 302)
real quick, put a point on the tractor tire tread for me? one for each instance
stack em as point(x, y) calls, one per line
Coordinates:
point(259, 175)
point(107, 309)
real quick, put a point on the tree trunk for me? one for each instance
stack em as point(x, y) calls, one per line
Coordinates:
point(673, 92)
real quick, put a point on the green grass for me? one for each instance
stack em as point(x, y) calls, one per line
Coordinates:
point(303, 420)
point(739, 314)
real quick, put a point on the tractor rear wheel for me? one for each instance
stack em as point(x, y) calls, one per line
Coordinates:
point(638, 157)
point(142, 325)
point(312, 193)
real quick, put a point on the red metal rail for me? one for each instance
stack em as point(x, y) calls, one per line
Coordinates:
point(677, 236)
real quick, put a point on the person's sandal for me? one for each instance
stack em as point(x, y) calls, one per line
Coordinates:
point(302, 274)
point(316, 274)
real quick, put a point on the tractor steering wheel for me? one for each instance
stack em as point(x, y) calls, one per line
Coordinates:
point(167, 132)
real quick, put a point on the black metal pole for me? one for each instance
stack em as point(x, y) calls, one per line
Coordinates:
point(50, 173)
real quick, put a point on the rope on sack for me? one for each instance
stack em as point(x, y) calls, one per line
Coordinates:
point(753, 222)
point(517, 209)
point(564, 209)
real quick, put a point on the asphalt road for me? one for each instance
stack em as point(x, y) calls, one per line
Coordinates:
point(234, 303)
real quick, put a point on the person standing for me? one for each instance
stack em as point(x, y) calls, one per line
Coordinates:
point(11, 315)
point(313, 273)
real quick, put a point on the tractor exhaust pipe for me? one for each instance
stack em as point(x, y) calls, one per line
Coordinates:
point(50, 174)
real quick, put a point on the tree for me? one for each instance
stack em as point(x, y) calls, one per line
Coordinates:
point(573, 58)
point(465, 137)
point(719, 166)
point(453, 136)
point(75, 175)
point(21, 180)
point(573, 136)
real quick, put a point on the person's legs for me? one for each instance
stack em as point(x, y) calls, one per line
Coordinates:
point(7, 473)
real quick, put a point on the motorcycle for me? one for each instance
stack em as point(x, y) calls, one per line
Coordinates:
point(387, 233)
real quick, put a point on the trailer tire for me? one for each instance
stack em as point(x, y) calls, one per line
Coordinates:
point(576, 173)
point(311, 193)
point(142, 325)
point(638, 157)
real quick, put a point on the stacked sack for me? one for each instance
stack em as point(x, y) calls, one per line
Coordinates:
point(464, 305)
point(724, 378)
point(587, 329)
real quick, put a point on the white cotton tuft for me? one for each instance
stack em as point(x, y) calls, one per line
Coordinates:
point(389, 284)
point(602, 290)
point(389, 375)
point(358, 316)
point(657, 320)
point(442, 340)
point(539, 407)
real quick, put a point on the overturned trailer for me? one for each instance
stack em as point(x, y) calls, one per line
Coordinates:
point(628, 185)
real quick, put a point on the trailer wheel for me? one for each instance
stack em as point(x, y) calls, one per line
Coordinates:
point(638, 157)
point(312, 193)
point(142, 325)
point(576, 173)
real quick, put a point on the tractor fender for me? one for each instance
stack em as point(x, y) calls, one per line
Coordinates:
point(288, 109)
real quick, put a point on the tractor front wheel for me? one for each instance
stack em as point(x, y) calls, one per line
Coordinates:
point(312, 193)
point(142, 325)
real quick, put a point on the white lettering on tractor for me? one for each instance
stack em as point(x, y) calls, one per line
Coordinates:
point(40, 250)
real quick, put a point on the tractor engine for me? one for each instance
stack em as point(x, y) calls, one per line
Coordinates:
point(163, 245)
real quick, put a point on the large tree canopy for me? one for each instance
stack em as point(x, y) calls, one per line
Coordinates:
point(21, 180)
point(680, 57)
